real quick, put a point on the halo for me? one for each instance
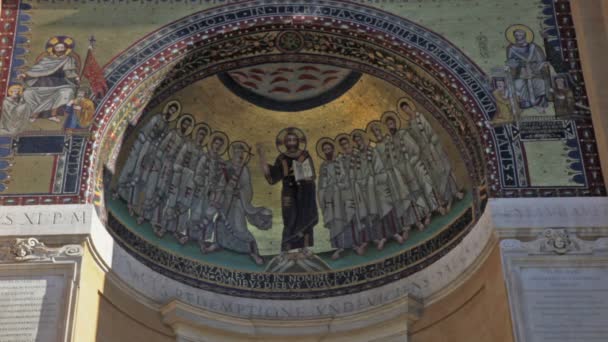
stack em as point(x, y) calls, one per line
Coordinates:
point(393, 115)
point(197, 128)
point(339, 137)
point(320, 143)
point(179, 123)
point(290, 130)
point(67, 41)
point(223, 136)
point(370, 133)
point(246, 147)
point(407, 100)
point(510, 33)
point(15, 86)
point(176, 114)
point(359, 131)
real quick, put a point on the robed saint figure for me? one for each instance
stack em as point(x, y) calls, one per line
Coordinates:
point(294, 168)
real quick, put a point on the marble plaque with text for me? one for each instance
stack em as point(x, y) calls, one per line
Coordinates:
point(564, 304)
point(32, 308)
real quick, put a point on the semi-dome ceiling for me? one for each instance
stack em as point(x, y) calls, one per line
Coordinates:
point(182, 200)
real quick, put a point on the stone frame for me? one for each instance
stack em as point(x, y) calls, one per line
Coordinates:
point(553, 248)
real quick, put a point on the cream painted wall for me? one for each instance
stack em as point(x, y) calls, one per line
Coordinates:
point(591, 22)
point(105, 312)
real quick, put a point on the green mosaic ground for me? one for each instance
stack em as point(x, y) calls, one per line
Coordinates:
point(239, 261)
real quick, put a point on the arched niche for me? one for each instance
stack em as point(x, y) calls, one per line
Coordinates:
point(431, 71)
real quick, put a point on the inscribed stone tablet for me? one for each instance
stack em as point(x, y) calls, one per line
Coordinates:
point(32, 308)
point(565, 304)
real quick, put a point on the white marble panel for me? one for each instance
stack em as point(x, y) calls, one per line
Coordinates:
point(563, 304)
point(68, 219)
point(558, 287)
point(32, 308)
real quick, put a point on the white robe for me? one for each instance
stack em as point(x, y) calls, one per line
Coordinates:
point(237, 209)
point(44, 98)
point(15, 115)
point(435, 159)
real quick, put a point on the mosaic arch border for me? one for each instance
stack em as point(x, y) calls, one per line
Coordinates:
point(507, 160)
point(145, 54)
point(162, 48)
point(169, 44)
point(332, 283)
point(198, 274)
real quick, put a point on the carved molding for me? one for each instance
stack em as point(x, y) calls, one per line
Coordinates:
point(31, 249)
point(194, 324)
point(555, 241)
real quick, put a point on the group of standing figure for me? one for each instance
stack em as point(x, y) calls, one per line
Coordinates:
point(176, 179)
point(385, 180)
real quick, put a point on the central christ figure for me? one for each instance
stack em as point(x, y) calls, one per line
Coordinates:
point(295, 169)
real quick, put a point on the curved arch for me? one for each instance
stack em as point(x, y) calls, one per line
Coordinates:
point(431, 52)
point(230, 37)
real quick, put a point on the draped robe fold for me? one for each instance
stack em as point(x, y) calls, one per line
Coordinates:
point(237, 209)
point(372, 185)
point(50, 83)
point(435, 158)
point(298, 202)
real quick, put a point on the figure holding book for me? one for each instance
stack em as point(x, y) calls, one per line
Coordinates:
point(294, 168)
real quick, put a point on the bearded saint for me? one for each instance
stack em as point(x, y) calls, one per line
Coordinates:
point(131, 171)
point(236, 209)
point(214, 171)
point(158, 173)
point(168, 185)
point(399, 190)
point(406, 154)
point(528, 65)
point(298, 200)
point(335, 195)
point(177, 210)
point(435, 159)
point(371, 181)
point(15, 112)
point(52, 80)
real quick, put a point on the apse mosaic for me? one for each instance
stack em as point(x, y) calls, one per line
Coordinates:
point(230, 146)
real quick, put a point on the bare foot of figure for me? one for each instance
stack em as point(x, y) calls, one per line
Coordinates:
point(448, 207)
point(405, 235)
point(140, 220)
point(420, 226)
point(160, 232)
point(360, 250)
point(307, 252)
point(442, 211)
point(182, 239)
point(214, 247)
point(336, 254)
point(54, 118)
point(380, 244)
point(460, 195)
point(398, 238)
point(257, 259)
point(427, 220)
